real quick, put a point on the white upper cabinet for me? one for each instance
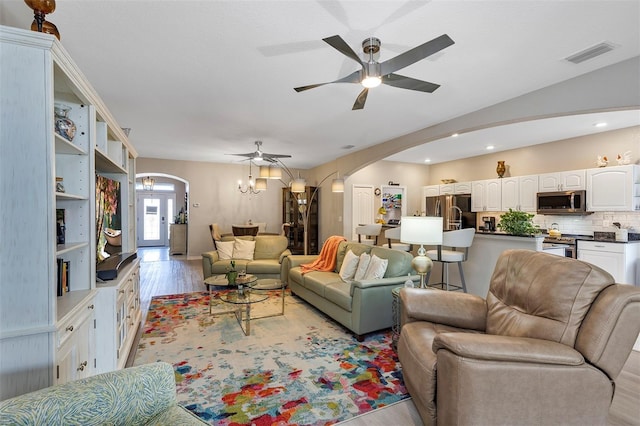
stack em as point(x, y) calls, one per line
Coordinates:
point(519, 193)
point(430, 191)
point(562, 181)
point(486, 195)
point(614, 188)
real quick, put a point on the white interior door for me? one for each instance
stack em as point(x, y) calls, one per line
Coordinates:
point(155, 213)
point(363, 202)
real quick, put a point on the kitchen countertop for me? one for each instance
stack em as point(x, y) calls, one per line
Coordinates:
point(604, 237)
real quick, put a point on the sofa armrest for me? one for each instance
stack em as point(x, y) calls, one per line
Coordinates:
point(300, 259)
point(142, 393)
point(460, 310)
point(284, 255)
point(487, 347)
point(208, 259)
point(381, 282)
point(212, 256)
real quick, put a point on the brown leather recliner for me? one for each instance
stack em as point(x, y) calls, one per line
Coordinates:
point(545, 347)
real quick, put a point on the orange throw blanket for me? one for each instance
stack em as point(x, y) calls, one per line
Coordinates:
point(326, 261)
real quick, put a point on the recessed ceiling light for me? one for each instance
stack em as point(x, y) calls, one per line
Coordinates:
point(489, 147)
point(600, 124)
point(455, 135)
point(427, 160)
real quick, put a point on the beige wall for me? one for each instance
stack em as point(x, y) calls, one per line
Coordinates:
point(568, 154)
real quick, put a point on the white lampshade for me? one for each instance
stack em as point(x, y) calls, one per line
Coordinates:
point(261, 184)
point(275, 172)
point(337, 185)
point(421, 230)
point(298, 185)
point(264, 172)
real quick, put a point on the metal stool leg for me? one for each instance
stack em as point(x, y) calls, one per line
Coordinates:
point(464, 285)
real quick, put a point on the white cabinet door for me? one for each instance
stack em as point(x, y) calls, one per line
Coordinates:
point(510, 194)
point(562, 181)
point(611, 262)
point(613, 188)
point(430, 191)
point(618, 259)
point(462, 188)
point(448, 188)
point(528, 188)
point(486, 195)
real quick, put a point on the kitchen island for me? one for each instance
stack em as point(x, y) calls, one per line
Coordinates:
point(483, 255)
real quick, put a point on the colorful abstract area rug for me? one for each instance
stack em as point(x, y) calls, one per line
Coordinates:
point(297, 369)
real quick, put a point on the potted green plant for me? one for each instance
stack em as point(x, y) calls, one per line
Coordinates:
point(516, 222)
point(232, 274)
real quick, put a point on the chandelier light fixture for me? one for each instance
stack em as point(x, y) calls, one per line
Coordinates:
point(147, 183)
point(252, 187)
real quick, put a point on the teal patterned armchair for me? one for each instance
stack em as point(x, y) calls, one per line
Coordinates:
point(144, 395)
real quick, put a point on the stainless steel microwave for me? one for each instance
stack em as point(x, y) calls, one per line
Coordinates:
point(562, 202)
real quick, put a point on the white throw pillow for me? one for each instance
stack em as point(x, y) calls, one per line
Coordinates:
point(243, 249)
point(377, 268)
point(225, 249)
point(349, 266)
point(363, 264)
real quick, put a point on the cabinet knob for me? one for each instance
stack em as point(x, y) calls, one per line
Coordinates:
point(82, 366)
point(90, 306)
point(121, 291)
point(70, 328)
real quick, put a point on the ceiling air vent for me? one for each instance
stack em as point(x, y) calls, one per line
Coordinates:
point(591, 52)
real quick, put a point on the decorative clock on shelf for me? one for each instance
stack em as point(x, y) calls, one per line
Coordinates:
point(377, 192)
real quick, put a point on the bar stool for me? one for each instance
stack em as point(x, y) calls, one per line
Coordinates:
point(394, 234)
point(367, 231)
point(459, 239)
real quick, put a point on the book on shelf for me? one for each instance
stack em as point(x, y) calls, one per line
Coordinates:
point(63, 274)
point(60, 226)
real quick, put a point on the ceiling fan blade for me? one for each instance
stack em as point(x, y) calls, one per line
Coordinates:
point(354, 77)
point(416, 54)
point(249, 155)
point(403, 82)
point(360, 100)
point(341, 46)
point(269, 156)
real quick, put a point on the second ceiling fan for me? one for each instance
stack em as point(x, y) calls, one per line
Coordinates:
point(373, 73)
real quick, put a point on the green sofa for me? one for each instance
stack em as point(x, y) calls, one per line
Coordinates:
point(361, 306)
point(270, 251)
point(144, 395)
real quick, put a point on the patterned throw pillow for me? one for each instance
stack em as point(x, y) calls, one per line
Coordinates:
point(349, 266)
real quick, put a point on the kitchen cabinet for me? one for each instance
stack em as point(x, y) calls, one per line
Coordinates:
point(486, 195)
point(519, 193)
point(614, 188)
point(562, 181)
point(618, 259)
point(455, 188)
point(430, 191)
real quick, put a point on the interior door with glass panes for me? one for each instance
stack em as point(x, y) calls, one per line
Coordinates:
point(156, 212)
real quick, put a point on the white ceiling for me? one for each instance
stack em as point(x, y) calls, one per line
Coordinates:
point(198, 80)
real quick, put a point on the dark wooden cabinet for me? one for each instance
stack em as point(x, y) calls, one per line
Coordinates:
point(294, 207)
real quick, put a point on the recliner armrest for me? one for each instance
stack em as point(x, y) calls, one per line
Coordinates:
point(460, 310)
point(488, 347)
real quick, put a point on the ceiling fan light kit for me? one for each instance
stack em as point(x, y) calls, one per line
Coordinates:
point(373, 73)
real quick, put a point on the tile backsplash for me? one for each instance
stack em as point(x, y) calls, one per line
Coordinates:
point(584, 225)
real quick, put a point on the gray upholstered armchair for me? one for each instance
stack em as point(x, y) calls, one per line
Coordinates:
point(545, 346)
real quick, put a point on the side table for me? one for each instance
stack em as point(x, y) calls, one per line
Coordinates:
point(395, 309)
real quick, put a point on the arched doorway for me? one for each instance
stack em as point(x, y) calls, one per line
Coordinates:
point(161, 206)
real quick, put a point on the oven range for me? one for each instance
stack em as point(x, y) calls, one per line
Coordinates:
point(566, 240)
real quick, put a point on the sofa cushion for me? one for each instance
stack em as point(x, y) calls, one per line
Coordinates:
point(349, 266)
point(225, 249)
point(270, 246)
point(339, 293)
point(345, 246)
point(317, 281)
point(399, 261)
point(363, 265)
point(263, 266)
point(243, 249)
point(224, 266)
point(376, 268)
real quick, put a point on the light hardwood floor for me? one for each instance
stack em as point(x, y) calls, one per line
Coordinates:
point(161, 274)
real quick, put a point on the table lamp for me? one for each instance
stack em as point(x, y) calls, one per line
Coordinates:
point(421, 230)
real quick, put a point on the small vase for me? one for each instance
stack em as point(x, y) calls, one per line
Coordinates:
point(231, 277)
point(65, 127)
point(501, 169)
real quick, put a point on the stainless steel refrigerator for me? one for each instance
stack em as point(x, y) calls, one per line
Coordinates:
point(454, 209)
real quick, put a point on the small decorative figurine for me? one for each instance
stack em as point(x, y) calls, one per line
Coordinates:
point(624, 158)
point(602, 161)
